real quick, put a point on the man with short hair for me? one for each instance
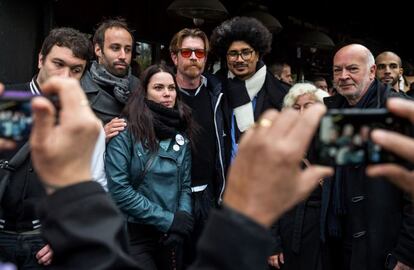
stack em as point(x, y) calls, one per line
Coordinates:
point(249, 88)
point(65, 53)
point(109, 82)
point(321, 83)
point(389, 69)
point(189, 49)
point(283, 72)
point(370, 221)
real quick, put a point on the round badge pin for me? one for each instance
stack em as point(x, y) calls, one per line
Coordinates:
point(176, 147)
point(179, 139)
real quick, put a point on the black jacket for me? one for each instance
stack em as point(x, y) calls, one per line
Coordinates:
point(24, 191)
point(380, 217)
point(96, 237)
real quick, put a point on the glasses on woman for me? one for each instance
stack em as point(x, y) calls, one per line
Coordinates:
point(245, 54)
point(187, 52)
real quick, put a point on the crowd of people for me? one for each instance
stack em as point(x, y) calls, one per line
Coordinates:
point(183, 169)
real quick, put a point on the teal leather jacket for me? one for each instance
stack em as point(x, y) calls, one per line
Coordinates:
point(152, 197)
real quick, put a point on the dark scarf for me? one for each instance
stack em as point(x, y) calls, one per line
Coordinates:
point(167, 121)
point(102, 77)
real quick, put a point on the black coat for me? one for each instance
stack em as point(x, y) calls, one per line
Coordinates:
point(297, 232)
point(24, 191)
point(379, 220)
point(96, 237)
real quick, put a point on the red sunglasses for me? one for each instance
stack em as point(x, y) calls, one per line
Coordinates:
point(187, 52)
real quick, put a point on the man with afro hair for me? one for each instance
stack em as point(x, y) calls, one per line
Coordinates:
point(249, 88)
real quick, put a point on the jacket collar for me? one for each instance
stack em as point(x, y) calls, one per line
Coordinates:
point(374, 98)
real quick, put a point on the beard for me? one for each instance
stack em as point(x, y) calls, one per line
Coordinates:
point(192, 70)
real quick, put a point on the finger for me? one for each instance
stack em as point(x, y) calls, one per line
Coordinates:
point(117, 129)
point(270, 261)
point(310, 179)
point(284, 123)
point(115, 121)
point(45, 258)
point(1, 88)
point(111, 134)
point(42, 252)
point(394, 142)
point(44, 116)
point(118, 125)
point(395, 173)
point(401, 107)
point(7, 144)
point(276, 261)
point(258, 130)
point(305, 126)
point(282, 258)
point(70, 95)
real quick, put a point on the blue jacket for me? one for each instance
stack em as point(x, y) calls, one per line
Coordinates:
point(165, 188)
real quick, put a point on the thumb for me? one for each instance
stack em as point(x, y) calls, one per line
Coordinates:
point(44, 116)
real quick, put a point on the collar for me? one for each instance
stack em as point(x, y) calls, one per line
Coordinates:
point(34, 87)
point(203, 83)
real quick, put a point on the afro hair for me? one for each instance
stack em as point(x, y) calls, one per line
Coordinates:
point(246, 29)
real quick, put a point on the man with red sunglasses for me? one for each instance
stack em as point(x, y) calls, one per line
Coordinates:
point(189, 49)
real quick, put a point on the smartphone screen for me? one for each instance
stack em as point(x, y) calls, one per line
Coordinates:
point(15, 115)
point(344, 136)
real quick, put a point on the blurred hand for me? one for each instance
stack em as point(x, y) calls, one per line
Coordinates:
point(182, 224)
point(398, 144)
point(62, 152)
point(113, 128)
point(276, 260)
point(266, 178)
point(44, 255)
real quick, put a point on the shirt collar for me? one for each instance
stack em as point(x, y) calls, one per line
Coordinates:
point(203, 83)
point(34, 87)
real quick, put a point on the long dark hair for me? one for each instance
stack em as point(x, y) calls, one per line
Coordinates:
point(140, 118)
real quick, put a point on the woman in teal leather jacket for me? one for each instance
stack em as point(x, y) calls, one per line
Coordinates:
point(148, 170)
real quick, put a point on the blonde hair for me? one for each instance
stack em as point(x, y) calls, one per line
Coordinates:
point(300, 89)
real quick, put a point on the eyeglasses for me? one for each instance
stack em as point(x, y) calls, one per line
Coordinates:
point(245, 54)
point(187, 52)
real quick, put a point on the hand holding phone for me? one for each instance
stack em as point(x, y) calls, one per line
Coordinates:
point(344, 136)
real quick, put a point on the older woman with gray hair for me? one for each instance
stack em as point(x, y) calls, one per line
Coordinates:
point(298, 244)
point(302, 95)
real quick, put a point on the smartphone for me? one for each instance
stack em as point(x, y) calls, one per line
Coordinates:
point(344, 136)
point(15, 115)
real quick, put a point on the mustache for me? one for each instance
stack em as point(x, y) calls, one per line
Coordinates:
point(120, 63)
point(196, 64)
point(239, 65)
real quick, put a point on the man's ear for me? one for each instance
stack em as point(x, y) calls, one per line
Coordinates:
point(372, 72)
point(174, 58)
point(98, 51)
point(40, 61)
